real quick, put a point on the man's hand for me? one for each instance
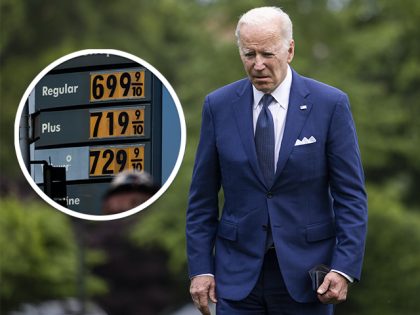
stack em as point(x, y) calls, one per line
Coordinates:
point(334, 289)
point(201, 288)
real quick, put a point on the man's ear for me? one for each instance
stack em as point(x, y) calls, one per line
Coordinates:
point(291, 51)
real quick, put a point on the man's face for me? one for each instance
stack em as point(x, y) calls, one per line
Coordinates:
point(264, 55)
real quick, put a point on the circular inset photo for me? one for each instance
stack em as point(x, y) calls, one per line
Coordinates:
point(100, 134)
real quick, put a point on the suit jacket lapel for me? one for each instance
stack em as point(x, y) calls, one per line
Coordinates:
point(295, 120)
point(242, 108)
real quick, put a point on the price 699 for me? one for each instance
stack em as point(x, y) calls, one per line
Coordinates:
point(117, 85)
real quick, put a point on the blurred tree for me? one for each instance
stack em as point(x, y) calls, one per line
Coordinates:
point(370, 50)
point(391, 276)
point(38, 255)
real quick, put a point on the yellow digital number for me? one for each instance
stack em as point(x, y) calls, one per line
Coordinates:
point(116, 85)
point(116, 123)
point(110, 161)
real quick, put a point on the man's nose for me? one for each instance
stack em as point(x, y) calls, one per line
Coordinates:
point(259, 63)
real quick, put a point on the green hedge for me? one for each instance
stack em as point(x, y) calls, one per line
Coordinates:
point(38, 254)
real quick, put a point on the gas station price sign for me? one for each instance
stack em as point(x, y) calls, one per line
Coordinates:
point(106, 161)
point(106, 123)
point(96, 115)
point(117, 85)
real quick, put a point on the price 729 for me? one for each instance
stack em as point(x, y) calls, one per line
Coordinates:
point(109, 161)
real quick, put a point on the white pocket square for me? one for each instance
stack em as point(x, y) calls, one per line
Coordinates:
point(305, 141)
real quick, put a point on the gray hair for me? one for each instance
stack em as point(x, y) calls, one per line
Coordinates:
point(261, 15)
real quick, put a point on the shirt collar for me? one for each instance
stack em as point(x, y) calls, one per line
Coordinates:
point(281, 93)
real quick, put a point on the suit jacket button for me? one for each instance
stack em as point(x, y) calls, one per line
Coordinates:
point(269, 195)
point(265, 227)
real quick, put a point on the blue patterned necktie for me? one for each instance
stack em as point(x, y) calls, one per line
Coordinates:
point(264, 140)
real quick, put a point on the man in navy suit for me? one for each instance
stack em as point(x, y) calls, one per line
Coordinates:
point(284, 149)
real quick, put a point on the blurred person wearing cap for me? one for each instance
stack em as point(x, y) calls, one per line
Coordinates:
point(128, 190)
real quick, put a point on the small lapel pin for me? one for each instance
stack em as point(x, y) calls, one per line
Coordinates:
point(303, 107)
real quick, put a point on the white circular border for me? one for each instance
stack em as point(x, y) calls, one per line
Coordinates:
point(181, 148)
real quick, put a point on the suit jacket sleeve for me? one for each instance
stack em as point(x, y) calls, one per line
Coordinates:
point(347, 190)
point(202, 212)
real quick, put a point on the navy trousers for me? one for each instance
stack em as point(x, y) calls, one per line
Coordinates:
point(270, 296)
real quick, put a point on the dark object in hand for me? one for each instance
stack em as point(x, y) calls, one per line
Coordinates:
point(317, 275)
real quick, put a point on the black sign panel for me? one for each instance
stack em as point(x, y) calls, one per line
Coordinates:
point(86, 198)
point(62, 90)
point(91, 162)
point(84, 125)
point(74, 159)
point(83, 88)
